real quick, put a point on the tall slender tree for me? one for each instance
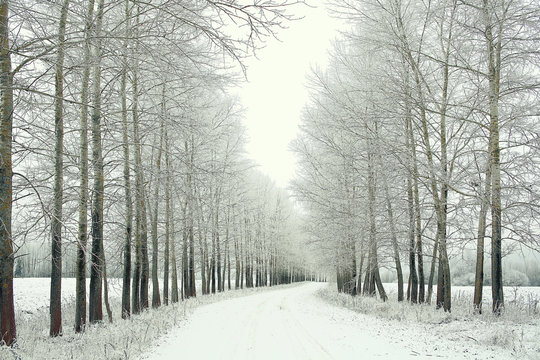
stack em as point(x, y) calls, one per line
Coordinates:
point(8, 331)
point(80, 292)
point(96, 271)
point(56, 222)
point(126, 288)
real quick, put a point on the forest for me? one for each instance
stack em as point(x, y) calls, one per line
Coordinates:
point(122, 154)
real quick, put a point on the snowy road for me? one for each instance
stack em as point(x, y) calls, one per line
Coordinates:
point(290, 323)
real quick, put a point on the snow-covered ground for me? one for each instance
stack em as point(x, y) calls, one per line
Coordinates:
point(123, 339)
point(32, 294)
point(291, 323)
point(306, 321)
point(297, 323)
point(461, 334)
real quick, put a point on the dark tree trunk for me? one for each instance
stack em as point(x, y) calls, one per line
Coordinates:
point(218, 256)
point(126, 287)
point(166, 253)
point(191, 266)
point(185, 261)
point(156, 300)
point(56, 221)
point(228, 268)
point(418, 233)
point(80, 293)
point(145, 265)
point(479, 273)
point(237, 262)
point(203, 261)
point(412, 293)
point(174, 286)
point(7, 311)
point(494, 46)
point(213, 263)
point(96, 272)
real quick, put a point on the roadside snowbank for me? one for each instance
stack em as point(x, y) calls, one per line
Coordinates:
point(515, 334)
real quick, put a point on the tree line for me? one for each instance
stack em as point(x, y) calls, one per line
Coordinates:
point(121, 148)
point(420, 141)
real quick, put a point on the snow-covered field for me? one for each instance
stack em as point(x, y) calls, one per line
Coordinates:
point(306, 321)
point(32, 294)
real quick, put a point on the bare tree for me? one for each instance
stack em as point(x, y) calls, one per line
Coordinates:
point(126, 288)
point(56, 223)
point(7, 311)
point(96, 272)
point(80, 292)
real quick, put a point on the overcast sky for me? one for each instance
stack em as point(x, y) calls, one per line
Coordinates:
point(276, 92)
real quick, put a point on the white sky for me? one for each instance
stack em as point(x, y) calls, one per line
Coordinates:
point(276, 92)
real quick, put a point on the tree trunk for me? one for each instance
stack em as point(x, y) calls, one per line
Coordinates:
point(170, 220)
point(412, 289)
point(213, 262)
point(228, 265)
point(432, 269)
point(166, 253)
point(185, 261)
point(136, 282)
point(362, 258)
point(393, 235)
point(372, 275)
point(156, 301)
point(481, 234)
point(166, 256)
point(8, 331)
point(191, 267)
point(241, 268)
point(96, 272)
point(218, 252)
point(145, 265)
point(80, 292)
point(494, 65)
point(202, 252)
point(418, 233)
point(126, 288)
point(238, 271)
point(56, 221)
point(106, 285)
point(137, 271)
point(141, 265)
